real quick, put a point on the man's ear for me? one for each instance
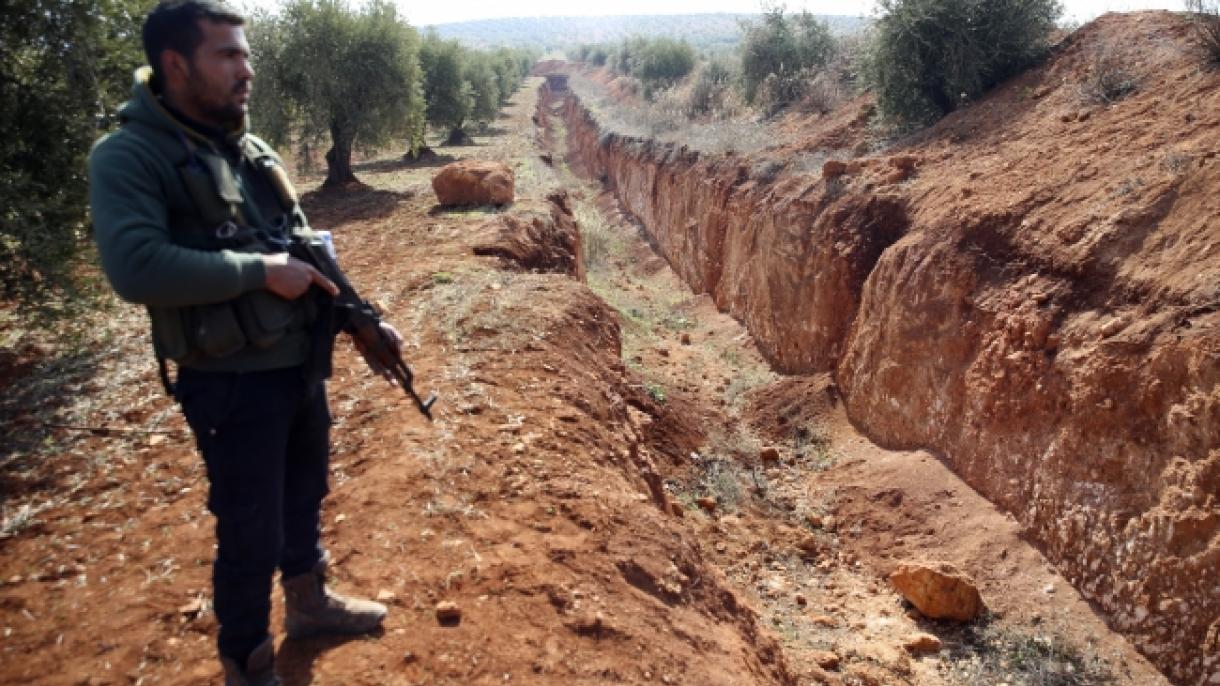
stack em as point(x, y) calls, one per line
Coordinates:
point(175, 68)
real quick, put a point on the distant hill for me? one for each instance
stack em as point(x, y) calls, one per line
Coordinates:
point(703, 30)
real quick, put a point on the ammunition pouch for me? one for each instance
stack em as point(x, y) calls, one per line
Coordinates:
point(258, 318)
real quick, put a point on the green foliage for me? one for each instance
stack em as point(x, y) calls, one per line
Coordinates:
point(1206, 16)
point(324, 67)
point(662, 62)
point(927, 57)
point(67, 67)
point(484, 88)
point(709, 89)
point(785, 50)
point(448, 96)
point(657, 62)
point(597, 54)
point(463, 85)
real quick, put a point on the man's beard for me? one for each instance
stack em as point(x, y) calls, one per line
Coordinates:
point(227, 113)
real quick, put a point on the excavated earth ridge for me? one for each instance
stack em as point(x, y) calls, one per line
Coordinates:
point(1030, 289)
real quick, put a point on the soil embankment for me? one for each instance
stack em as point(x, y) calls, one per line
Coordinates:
point(1031, 289)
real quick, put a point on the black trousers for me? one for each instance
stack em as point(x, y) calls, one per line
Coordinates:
point(265, 438)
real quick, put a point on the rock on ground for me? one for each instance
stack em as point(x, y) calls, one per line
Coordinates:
point(474, 182)
point(938, 591)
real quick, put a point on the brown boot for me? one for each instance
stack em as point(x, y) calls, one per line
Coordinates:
point(259, 670)
point(311, 608)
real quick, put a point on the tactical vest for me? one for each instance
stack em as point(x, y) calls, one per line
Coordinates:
point(225, 216)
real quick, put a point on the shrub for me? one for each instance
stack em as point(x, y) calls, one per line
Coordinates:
point(1108, 79)
point(663, 62)
point(789, 48)
point(1206, 14)
point(709, 90)
point(927, 57)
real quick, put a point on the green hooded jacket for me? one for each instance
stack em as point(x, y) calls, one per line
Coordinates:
point(157, 248)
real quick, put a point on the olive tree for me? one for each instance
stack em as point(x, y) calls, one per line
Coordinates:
point(484, 88)
point(66, 67)
point(326, 68)
point(447, 94)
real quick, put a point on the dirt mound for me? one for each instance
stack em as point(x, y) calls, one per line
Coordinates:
point(1028, 288)
point(541, 238)
point(784, 411)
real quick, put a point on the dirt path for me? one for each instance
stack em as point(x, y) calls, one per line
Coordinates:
point(555, 500)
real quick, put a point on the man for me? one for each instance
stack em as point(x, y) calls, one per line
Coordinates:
point(190, 215)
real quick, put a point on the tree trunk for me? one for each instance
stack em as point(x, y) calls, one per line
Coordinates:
point(339, 158)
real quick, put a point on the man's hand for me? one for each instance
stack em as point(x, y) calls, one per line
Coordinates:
point(289, 277)
point(368, 348)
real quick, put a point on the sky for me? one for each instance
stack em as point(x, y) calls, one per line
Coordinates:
point(426, 12)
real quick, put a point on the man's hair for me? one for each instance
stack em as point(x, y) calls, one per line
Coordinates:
point(174, 25)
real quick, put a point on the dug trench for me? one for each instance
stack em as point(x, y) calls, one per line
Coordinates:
point(1028, 290)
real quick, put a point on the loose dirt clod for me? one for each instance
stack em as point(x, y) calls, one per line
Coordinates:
point(448, 613)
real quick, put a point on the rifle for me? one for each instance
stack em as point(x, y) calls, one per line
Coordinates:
point(361, 318)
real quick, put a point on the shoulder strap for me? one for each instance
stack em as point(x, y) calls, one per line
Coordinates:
point(268, 163)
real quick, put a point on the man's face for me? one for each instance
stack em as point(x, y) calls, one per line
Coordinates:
point(217, 88)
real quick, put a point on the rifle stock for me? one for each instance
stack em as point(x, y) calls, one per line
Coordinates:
point(363, 320)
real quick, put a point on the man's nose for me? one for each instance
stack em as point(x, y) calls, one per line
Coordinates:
point(244, 70)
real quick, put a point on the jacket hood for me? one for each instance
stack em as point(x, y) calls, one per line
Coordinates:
point(146, 108)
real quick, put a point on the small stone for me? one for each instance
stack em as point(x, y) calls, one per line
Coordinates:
point(921, 643)
point(1048, 589)
point(769, 454)
point(448, 612)
point(707, 503)
point(825, 659)
point(387, 596)
point(192, 608)
point(824, 620)
point(814, 519)
point(801, 599)
point(720, 547)
point(904, 162)
point(676, 509)
point(589, 623)
point(339, 518)
point(833, 169)
point(518, 448)
point(685, 339)
point(409, 657)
